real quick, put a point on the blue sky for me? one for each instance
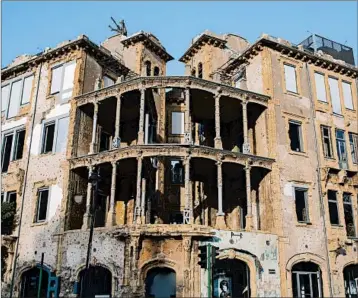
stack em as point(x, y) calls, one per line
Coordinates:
point(28, 27)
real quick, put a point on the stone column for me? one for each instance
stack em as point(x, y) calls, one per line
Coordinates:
point(218, 143)
point(111, 217)
point(220, 215)
point(137, 211)
point(143, 200)
point(187, 126)
point(116, 140)
point(93, 148)
point(246, 146)
point(141, 117)
point(249, 224)
point(86, 216)
point(188, 212)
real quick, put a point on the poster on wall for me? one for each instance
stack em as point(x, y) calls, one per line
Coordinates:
point(222, 286)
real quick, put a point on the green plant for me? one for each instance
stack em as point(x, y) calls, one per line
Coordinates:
point(8, 217)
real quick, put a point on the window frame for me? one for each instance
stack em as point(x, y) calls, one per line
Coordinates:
point(353, 146)
point(5, 195)
point(13, 132)
point(305, 189)
point(300, 135)
point(41, 189)
point(325, 86)
point(339, 96)
point(337, 206)
point(60, 93)
point(350, 203)
point(344, 98)
point(339, 155)
point(182, 169)
point(285, 79)
point(329, 137)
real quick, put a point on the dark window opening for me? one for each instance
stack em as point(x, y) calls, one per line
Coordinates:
point(301, 205)
point(148, 68)
point(98, 281)
point(295, 133)
point(42, 202)
point(341, 147)
point(200, 70)
point(19, 144)
point(11, 197)
point(105, 141)
point(6, 152)
point(333, 207)
point(177, 172)
point(350, 274)
point(193, 72)
point(48, 138)
point(348, 215)
point(30, 283)
point(327, 143)
point(306, 280)
point(156, 71)
point(353, 140)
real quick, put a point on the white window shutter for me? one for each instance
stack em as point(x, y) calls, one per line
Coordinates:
point(347, 94)
point(56, 79)
point(177, 123)
point(320, 87)
point(26, 93)
point(290, 78)
point(334, 90)
point(5, 91)
point(68, 80)
point(14, 99)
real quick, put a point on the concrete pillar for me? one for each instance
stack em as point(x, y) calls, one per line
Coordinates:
point(246, 146)
point(218, 143)
point(249, 220)
point(146, 129)
point(93, 148)
point(188, 212)
point(86, 216)
point(111, 217)
point(116, 141)
point(141, 117)
point(187, 117)
point(220, 215)
point(143, 200)
point(137, 211)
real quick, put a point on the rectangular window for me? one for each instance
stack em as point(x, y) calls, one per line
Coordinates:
point(295, 134)
point(326, 140)
point(334, 92)
point(320, 87)
point(353, 141)
point(290, 78)
point(5, 91)
point(26, 90)
point(347, 95)
point(348, 215)
point(63, 80)
point(301, 200)
point(105, 141)
point(177, 172)
point(56, 79)
point(14, 99)
point(11, 197)
point(177, 123)
point(62, 132)
point(6, 152)
point(42, 203)
point(12, 147)
point(341, 146)
point(107, 81)
point(48, 137)
point(19, 144)
point(333, 207)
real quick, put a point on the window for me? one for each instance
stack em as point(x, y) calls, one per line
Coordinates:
point(26, 91)
point(63, 80)
point(347, 95)
point(148, 68)
point(301, 204)
point(62, 129)
point(341, 146)
point(177, 123)
point(177, 176)
point(193, 72)
point(295, 134)
point(353, 141)
point(200, 70)
point(105, 141)
point(5, 91)
point(306, 280)
point(42, 203)
point(290, 78)
point(48, 138)
point(320, 87)
point(334, 91)
point(326, 140)
point(348, 215)
point(156, 71)
point(107, 81)
point(9, 197)
point(12, 147)
point(55, 135)
point(14, 99)
point(333, 207)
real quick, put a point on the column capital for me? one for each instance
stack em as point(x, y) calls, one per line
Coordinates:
point(244, 102)
point(114, 163)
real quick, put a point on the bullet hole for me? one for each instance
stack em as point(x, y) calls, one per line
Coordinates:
point(267, 242)
point(306, 246)
point(231, 241)
point(94, 250)
point(43, 244)
point(355, 249)
point(35, 252)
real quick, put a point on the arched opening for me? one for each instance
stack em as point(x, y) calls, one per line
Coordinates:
point(350, 275)
point(156, 71)
point(231, 279)
point(148, 68)
point(200, 70)
point(306, 280)
point(193, 72)
point(160, 282)
point(97, 281)
point(30, 280)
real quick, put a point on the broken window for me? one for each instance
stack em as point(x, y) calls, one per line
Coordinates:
point(335, 98)
point(48, 137)
point(6, 152)
point(177, 123)
point(63, 80)
point(177, 172)
point(301, 200)
point(107, 81)
point(5, 91)
point(347, 95)
point(290, 78)
point(320, 87)
point(341, 147)
point(148, 68)
point(19, 144)
point(350, 274)
point(326, 140)
point(13, 147)
point(193, 72)
point(333, 207)
point(295, 133)
point(306, 280)
point(105, 141)
point(200, 70)
point(348, 214)
point(42, 203)
point(353, 141)
point(26, 90)
point(9, 197)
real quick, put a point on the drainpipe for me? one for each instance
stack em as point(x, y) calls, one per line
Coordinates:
point(313, 116)
point(25, 180)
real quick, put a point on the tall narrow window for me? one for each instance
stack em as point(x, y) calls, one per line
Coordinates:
point(200, 70)
point(6, 152)
point(156, 71)
point(290, 78)
point(334, 92)
point(347, 95)
point(5, 91)
point(56, 79)
point(301, 200)
point(348, 215)
point(193, 72)
point(26, 91)
point(326, 140)
point(177, 123)
point(295, 134)
point(148, 68)
point(353, 141)
point(341, 147)
point(105, 141)
point(320, 87)
point(62, 130)
point(48, 137)
point(177, 172)
point(63, 80)
point(333, 207)
point(19, 144)
point(14, 99)
point(42, 203)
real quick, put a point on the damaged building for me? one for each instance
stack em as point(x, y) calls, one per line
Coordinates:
point(254, 150)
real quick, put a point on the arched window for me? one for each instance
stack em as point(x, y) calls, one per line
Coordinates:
point(148, 68)
point(160, 282)
point(156, 71)
point(30, 283)
point(306, 280)
point(193, 72)
point(200, 70)
point(97, 281)
point(350, 275)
